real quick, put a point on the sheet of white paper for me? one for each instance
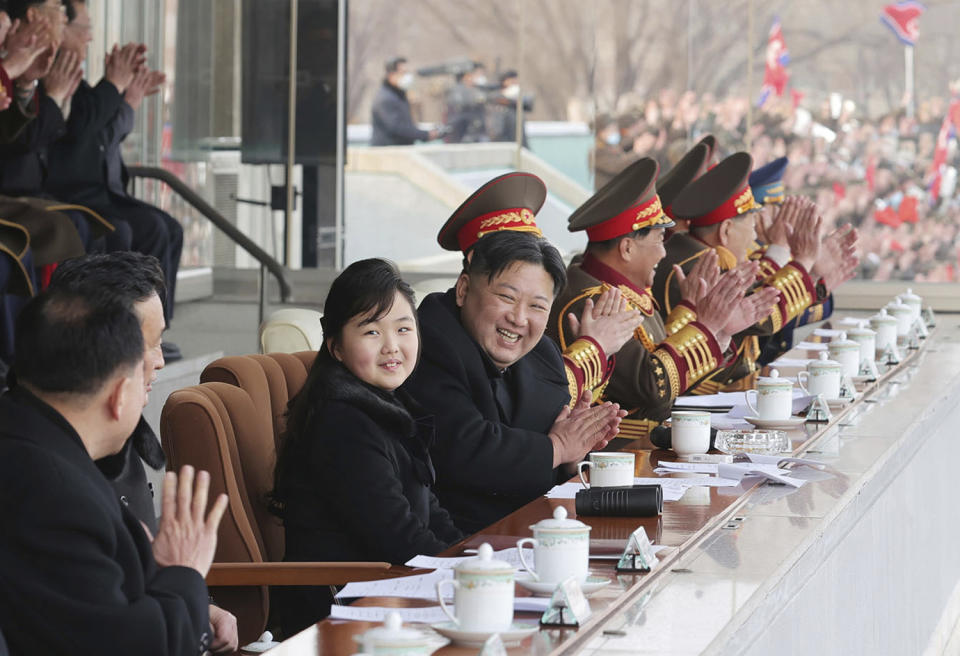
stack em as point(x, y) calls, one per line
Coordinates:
point(673, 488)
point(509, 555)
point(811, 346)
point(732, 471)
point(827, 332)
point(429, 615)
point(727, 422)
point(791, 362)
point(773, 460)
point(719, 400)
point(851, 321)
point(420, 586)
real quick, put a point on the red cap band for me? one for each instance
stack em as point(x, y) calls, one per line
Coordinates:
point(650, 214)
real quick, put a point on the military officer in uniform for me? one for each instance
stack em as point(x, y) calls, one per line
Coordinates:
point(669, 185)
point(625, 226)
point(720, 207)
point(499, 390)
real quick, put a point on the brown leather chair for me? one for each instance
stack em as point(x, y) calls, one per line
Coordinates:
point(229, 425)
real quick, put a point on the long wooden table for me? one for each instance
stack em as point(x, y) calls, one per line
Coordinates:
point(702, 517)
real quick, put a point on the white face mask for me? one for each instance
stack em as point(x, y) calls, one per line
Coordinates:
point(405, 81)
point(612, 139)
point(480, 80)
point(512, 92)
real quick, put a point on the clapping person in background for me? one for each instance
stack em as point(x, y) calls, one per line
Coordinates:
point(86, 166)
point(354, 475)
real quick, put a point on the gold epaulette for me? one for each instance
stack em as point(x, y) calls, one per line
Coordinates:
point(795, 295)
point(586, 369)
point(693, 345)
point(636, 429)
point(106, 225)
point(679, 317)
point(642, 302)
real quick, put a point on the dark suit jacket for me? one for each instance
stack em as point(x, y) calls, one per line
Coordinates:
point(392, 123)
point(490, 460)
point(77, 570)
point(24, 160)
point(78, 161)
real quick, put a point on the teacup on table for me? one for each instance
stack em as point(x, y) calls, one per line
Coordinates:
point(689, 431)
point(561, 548)
point(483, 593)
point(821, 377)
point(773, 398)
point(608, 469)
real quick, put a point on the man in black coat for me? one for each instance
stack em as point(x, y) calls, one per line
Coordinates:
point(497, 386)
point(135, 281)
point(80, 575)
point(390, 116)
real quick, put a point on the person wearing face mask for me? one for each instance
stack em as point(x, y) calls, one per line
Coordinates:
point(467, 106)
point(392, 123)
point(608, 158)
point(502, 110)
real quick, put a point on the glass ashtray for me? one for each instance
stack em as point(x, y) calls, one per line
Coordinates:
point(768, 442)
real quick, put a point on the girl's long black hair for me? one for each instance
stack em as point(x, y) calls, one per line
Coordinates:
point(365, 287)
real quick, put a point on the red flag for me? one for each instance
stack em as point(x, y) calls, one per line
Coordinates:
point(887, 216)
point(907, 212)
point(940, 151)
point(904, 19)
point(775, 75)
point(839, 192)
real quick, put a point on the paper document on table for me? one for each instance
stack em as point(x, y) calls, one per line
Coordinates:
point(827, 332)
point(429, 615)
point(436, 562)
point(811, 346)
point(851, 321)
point(420, 586)
point(775, 460)
point(707, 401)
point(734, 472)
point(791, 362)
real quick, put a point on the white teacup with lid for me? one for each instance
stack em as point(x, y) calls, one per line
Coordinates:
point(821, 377)
point(393, 639)
point(773, 396)
point(886, 327)
point(483, 593)
point(914, 302)
point(903, 314)
point(561, 549)
point(847, 353)
point(866, 338)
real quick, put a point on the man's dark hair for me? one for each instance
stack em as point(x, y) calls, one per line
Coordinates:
point(507, 75)
point(71, 10)
point(607, 245)
point(394, 63)
point(68, 344)
point(494, 253)
point(18, 8)
point(124, 276)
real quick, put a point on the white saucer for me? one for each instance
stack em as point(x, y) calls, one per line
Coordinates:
point(540, 589)
point(792, 422)
point(512, 636)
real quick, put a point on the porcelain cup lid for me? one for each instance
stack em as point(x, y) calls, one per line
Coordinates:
point(773, 380)
point(392, 633)
point(484, 563)
point(861, 331)
point(898, 307)
point(824, 363)
point(559, 522)
point(910, 298)
point(883, 318)
point(841, 343)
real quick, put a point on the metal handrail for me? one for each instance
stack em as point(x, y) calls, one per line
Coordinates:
point(243, 241)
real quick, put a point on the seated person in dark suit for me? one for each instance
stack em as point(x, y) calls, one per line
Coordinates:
point(80, 574)
point(86, 166)
point(354, 476)
point(135, 281)
point(497, 385)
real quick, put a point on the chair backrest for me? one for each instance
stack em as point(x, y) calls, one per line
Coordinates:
point(431, 285)
point(230, 425)
point(290, 330)
point(199, 426)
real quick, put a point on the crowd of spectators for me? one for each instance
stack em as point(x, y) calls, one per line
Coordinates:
point(62, 178)
point(875, 173)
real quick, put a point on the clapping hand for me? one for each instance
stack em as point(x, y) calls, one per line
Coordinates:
point(608, 321)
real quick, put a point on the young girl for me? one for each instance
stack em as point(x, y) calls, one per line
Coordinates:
point(353, 474)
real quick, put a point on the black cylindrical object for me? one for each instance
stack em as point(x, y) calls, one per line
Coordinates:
point(632, 501)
